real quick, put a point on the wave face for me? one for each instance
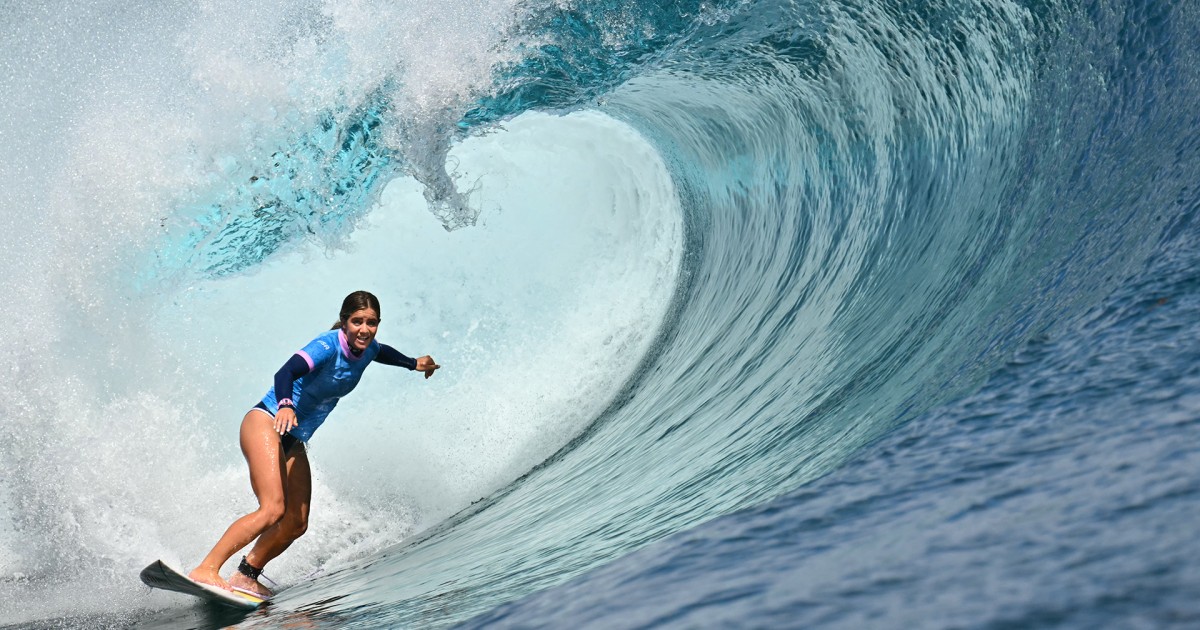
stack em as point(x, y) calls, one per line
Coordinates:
point(700, 274)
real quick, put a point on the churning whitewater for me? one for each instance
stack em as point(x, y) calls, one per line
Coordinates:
point(751, 313)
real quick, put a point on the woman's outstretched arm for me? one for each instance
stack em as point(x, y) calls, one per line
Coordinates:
point(391, 356)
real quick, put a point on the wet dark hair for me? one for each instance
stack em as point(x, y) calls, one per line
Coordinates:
point(356, 301)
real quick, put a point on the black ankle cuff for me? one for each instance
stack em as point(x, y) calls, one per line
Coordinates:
point(249, 571)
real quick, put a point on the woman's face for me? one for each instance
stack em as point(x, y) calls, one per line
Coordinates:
point(360, 329)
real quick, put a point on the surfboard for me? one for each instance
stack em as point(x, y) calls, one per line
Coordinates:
point(162, 575)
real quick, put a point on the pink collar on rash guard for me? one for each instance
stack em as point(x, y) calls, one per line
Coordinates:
point(346, 347)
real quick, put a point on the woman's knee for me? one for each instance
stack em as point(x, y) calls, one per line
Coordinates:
point(271, 511)
point(296, 525)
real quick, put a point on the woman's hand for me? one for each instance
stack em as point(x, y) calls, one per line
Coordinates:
point(285, 420)
point(427, 365)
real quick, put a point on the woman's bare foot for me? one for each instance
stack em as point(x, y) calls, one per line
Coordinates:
point(244, 582)
point(209, 577)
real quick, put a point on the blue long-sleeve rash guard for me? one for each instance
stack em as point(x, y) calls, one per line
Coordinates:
point(296, 366)
point(318, 375)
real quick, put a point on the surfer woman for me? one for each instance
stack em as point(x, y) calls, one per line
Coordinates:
point(275, 431)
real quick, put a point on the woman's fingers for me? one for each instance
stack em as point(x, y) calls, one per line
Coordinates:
point(285, 421)
point(430, 366)
point(427, 365)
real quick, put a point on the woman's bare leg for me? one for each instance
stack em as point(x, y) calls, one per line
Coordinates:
point(298, 491)
point(262, 449)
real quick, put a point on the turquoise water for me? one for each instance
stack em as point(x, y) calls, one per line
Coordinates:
point(753, 314)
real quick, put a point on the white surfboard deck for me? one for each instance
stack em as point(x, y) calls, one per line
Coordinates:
point(162, 575)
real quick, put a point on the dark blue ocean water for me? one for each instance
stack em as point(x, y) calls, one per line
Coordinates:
point(922, 352)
